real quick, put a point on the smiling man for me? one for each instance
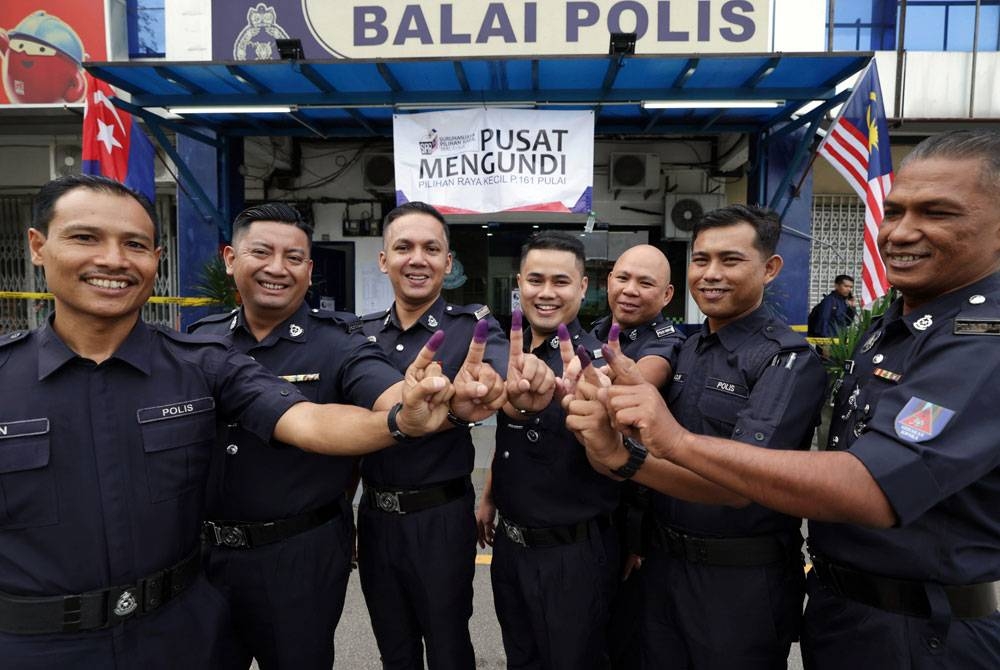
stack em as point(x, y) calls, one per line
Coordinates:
point(903, 533)
point(106, 429)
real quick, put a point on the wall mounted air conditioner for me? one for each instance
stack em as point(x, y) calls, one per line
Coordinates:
point(65, 160)
point(378, 173)
point(633, 172)
point(682, 210)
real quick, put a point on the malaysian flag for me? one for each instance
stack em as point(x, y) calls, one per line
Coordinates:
point(857, 145)
point(113, 144)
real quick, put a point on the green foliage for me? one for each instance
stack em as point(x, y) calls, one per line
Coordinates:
point(215, 283)
point(848, 338)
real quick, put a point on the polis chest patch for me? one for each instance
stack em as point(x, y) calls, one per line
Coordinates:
point(729, 388)
point(23, 428)
point(176, 410)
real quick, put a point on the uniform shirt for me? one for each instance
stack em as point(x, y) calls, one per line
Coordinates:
point(919, 409)
point(753, 381)
point(449, 454)
point(541, 475)
point(328, 360)
point(831, 314)
point(656, 338)
point(103, 466)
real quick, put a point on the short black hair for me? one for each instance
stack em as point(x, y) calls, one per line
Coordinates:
point(43, 208)
point(416, 207)
point(555, 240)
point(840, 279)
point(271, 211)
point(968, 144)
point(764, 221)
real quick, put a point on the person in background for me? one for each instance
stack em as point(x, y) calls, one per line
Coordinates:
point(835, 311)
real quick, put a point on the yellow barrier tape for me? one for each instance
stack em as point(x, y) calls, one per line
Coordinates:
point(820, 340)
point(162, 299)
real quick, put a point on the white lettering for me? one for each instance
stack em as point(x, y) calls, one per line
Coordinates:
point(3, 430)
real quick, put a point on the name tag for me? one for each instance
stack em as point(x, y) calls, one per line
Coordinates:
point(23, 428)
point(663, 331)
point(977, 327)
point(298, 379)
point(176, 410)
point(727, 387)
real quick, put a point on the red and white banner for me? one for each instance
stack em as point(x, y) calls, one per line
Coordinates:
point(492, 159)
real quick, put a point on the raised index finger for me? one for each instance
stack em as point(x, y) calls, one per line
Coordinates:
point(565, 346)
point(477, 348)
point(516, 340)
point(626, 371)
point(426, 355)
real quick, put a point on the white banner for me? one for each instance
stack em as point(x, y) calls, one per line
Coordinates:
point(495, 159)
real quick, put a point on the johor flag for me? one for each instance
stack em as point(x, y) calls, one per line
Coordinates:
point(113, 145)
point(857, 145)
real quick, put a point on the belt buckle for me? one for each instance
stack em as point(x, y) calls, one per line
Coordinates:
point(123, 602)
point(514, 533)
point(229, 536)
point(388, 501)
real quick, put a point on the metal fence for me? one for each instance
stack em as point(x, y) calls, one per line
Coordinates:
point(837, 228)
point(19, 275)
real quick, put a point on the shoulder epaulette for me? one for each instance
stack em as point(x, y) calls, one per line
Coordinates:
point(187, 338)
point(979, 316)
point(212, 318)
point(350, 322)
point(374, 316)
point(8, 339)
point(478, 311)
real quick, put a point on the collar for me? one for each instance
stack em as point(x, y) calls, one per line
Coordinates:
point(54, 354)
point(573, 327)
point(942, 307)
point(431, 319)
point(295, 328)
point(734, 334)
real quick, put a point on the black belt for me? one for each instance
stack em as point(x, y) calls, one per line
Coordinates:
point(246, 535)
point(96, 609)
point(553, 535)
point(903, 596)
point(406, 501)
point(723, 551)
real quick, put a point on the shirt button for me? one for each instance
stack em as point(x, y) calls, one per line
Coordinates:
point(506, 454)
point(759, 436)
point(284, 392)
point(934, 642)
point(532, 435)
point(399, 347)
point(738, 431)
point(232, 449)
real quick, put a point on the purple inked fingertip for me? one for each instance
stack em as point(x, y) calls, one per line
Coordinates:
point(607, 352)
point(435, 342)
point(516, 320)
point(584, 356)
point(615, 331)
point(479, 334)
point(563, 332)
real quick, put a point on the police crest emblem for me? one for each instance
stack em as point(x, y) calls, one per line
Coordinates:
point(126, 604)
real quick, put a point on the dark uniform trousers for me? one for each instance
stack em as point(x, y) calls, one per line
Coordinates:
point(102, 482)
point(724, 586)
point(656, 338)
point(552, 592)
point(287, 592)
point(917, 405)
point(417, 568)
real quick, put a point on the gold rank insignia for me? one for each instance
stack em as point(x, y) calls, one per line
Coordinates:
point(297, 379)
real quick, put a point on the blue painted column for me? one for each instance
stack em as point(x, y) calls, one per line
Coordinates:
point(789, 293)
point(198, 236)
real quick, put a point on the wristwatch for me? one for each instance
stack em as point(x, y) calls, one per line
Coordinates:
point(636, 457)
point(394, 430)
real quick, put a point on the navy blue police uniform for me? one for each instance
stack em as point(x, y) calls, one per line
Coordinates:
point(416, 522)
point(918, 407)
point(656, 338)
point(555, 555)
point(103, 470)
point(280, 529)
point(725, 585)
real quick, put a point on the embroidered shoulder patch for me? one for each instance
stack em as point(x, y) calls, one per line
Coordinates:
point(920, 420)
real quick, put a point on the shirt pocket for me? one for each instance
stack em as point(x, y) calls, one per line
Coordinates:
point(177, 440)
point(720, 404)
point(27, 483)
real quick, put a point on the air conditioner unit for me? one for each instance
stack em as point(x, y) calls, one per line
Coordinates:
point(634, 172)
point(378, 173)
point(65, 159)
point(682, 211)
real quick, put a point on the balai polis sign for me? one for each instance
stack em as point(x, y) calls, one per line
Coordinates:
point(436, 28)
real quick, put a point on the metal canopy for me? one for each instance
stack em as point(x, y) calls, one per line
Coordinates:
point(357, 99)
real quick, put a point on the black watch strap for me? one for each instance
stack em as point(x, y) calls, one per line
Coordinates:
point(636, 457)
point(394, 430)
point(462, 423)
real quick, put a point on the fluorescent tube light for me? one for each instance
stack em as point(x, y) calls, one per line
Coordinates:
point(701, 104)
point(233, 109)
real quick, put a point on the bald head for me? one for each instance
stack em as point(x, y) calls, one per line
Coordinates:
point(639, 286)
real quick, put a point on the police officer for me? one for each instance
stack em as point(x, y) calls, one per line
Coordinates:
point(416, 523)
point(106, 425)
point(555, 556)
point(638, 289)
point(905, 539)
point(281, 526)
point(723, 578)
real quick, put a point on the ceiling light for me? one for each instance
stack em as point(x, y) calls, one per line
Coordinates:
point(701, 104)
point(233, 109)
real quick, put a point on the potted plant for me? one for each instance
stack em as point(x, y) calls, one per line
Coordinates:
point(216, 284)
